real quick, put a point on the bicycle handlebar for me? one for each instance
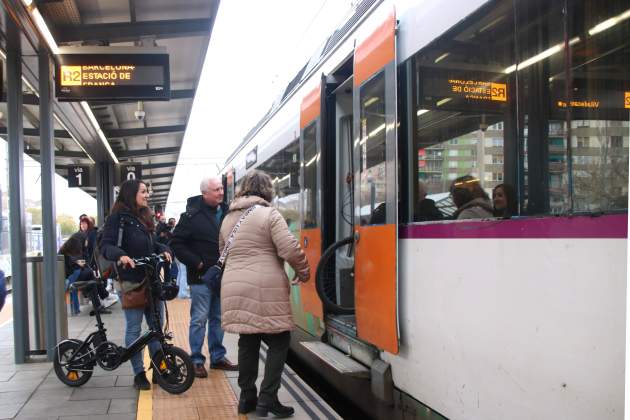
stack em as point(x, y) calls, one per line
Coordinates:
point(148, 260)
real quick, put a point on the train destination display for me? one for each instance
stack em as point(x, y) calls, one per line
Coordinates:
point(112, 76)
point(458, 89)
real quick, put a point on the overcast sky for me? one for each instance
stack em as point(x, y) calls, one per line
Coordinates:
point(255, 50)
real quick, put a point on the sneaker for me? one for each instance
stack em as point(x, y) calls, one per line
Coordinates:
point(224, 364)
point(200, 371)
point(277, 409)
point(109, 300)
point(141, 382)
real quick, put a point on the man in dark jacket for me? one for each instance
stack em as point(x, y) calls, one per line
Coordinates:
point(195, 243)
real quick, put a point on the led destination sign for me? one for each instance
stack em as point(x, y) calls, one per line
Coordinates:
point(112, 76)
point(459, 89)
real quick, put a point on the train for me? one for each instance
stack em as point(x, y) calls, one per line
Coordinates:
point(515, 317)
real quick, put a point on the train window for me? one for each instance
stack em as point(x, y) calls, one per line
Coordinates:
point(599, 103)
point(311, 161)
point(372, 149)
point(284, 168)
point(287, 185)
point(462, 103)
point(531, 94)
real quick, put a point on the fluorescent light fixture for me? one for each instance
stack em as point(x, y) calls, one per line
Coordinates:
point(377, 130)
point(284, 178)
point(609, 23)
point(73, 138)
point(443, 101)
point(41, 24)
point(3, 54)
point(442, 57)
point(310, 162)
point(370, 101)
point(97, 127)
point(27, 3)
point(422, 111)
point(540, 56)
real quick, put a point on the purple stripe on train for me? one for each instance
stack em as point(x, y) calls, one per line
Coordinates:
point(607, 226)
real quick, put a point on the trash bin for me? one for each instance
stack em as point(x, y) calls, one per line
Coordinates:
point(35, 294)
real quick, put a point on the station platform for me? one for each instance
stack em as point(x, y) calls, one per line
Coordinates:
point(32, 391)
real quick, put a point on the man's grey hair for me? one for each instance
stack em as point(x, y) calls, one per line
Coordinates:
point(203, 186)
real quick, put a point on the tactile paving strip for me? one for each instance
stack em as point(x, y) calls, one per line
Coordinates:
point(209, 398)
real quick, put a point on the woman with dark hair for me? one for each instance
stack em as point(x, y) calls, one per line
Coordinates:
point(255, 302)
point(504, 200)
point(471, 200)
point(128, 234)
point(73, 251)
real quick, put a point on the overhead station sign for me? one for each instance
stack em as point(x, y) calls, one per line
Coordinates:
point(109, 73)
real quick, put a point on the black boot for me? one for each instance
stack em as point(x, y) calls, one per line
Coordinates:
point(275, 408)
point(141, 382)
point(246, 405)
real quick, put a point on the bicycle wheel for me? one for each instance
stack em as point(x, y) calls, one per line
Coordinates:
point(174, 369)
point(326, 279)
point(80, 371)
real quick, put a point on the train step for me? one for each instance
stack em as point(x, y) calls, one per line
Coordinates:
point(336, 359)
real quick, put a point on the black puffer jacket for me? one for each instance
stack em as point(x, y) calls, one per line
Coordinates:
point(196, 237)
point(136, 242)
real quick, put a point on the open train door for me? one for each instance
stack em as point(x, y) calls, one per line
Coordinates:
point(310, 172)
point(375, 173)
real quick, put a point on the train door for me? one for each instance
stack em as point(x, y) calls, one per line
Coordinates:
point(375, 187)
point(310, 209)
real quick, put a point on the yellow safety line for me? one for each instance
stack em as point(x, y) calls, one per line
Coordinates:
point(145, 400)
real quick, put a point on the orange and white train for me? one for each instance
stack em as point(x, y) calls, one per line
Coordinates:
point(517, 317)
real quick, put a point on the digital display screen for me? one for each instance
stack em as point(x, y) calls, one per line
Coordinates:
point(627, 100)
point(112, 76)
point(452, 89)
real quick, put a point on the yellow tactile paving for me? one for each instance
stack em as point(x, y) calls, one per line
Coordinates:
point(209, 398)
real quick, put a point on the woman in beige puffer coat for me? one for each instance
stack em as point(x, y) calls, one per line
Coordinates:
point(255, 291)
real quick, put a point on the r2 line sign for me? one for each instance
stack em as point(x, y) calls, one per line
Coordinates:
point(78, 176)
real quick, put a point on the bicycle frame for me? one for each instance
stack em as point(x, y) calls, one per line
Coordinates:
point(95, 339)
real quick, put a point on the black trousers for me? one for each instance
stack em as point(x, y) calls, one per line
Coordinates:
point(248, 354)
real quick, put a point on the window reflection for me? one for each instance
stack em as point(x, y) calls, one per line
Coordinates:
point(311, 162)
point(372, 150)
point(559, 131)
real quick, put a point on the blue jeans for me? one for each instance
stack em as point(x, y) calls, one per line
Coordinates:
point(182, 281)
point(75, 308)
point(133, 325)
point(205, 308)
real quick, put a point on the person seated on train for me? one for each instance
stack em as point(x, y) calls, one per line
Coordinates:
point(471, 200)
point(504, 200)
point(425, 207)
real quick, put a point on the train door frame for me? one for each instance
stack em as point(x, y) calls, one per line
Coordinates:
point(376, 242)
point(310, 236)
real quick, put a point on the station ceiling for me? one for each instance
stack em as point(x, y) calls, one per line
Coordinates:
point(183, 27)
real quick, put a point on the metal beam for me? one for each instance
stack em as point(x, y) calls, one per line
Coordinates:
point(153, 176)
point(154, 165)
point(34, 132)
point(27, 99)
point(67, 153)
point(175, 94)
point(52, 285)
point(132, 31)
point(16, 189)
point(134, 132)
point(147, 152)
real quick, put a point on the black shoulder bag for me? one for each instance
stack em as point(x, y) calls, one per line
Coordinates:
point(212, 277)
